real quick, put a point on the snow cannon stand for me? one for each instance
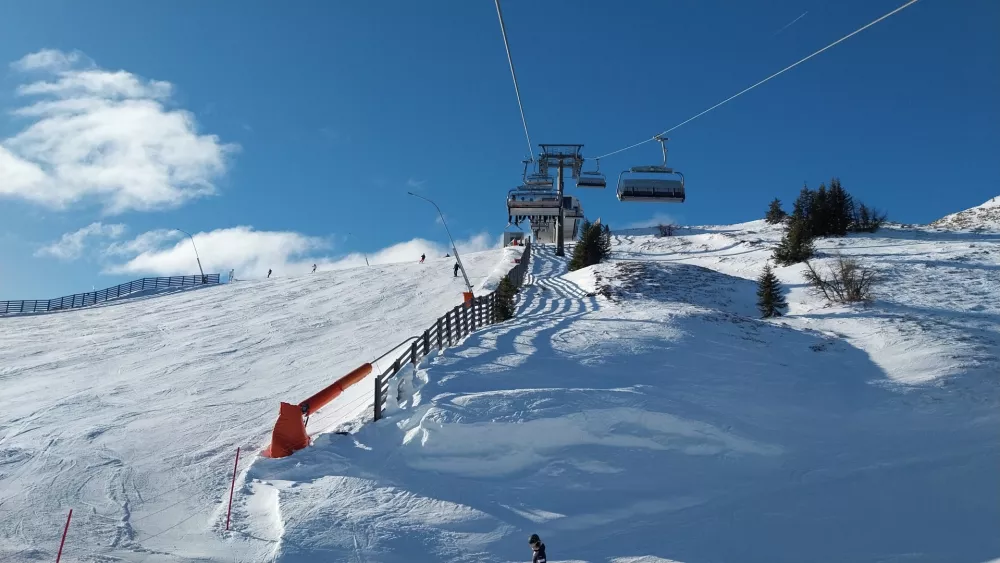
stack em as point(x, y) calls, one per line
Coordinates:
point(467, 298)
point(289, 434)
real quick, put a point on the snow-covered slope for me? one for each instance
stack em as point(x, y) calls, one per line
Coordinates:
point(637, 411)
point(985, 217)
point(633, 412)
point(131, 412)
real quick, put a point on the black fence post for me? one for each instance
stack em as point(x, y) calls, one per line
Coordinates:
point(440, 335)
point(427, 342)
point(413, 353)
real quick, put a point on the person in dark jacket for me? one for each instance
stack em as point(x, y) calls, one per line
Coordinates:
point(268, 272)
point(537, 549)
point(456, 270)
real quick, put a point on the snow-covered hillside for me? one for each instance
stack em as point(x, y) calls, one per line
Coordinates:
point(131, 412)
point(637, 411)
point(633, 412)
point(985, 217)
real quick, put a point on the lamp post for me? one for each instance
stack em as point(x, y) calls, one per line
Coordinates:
point(453, 247)
point(196, 257)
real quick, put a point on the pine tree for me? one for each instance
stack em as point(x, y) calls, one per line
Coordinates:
point(605, 243)
point(841, 209)
point(505, 299)
point(593, 247)
point(819, 212)
point(775, 214)
point(770, 301)
point(796, 245)
point(803, 206)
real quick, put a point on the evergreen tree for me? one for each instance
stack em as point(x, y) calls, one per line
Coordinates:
point(819, 212)
point(841, 209)
point(803, 205)
point(505, 299)
point(593, 247)
point(770, 301)
point(775, 214)
point(796, 245)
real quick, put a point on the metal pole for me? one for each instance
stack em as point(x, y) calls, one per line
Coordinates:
point(559, 224)
point(362, 252)
point(196, 257)
point(454, 248)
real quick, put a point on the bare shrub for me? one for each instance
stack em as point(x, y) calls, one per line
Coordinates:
point(666, 230)
point(848, 282)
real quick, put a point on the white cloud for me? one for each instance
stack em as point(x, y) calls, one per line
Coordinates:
point(105, 136)
point(414, 183)
point(657, 219)
point(252, 253)
point(71, 245)
point(46, 59)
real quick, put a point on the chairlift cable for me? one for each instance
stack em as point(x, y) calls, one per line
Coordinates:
point(517, 91)
point(782, 71)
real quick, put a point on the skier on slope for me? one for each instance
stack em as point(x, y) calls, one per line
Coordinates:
point(537, 549)
point(422, 256)
point(314, 268)
point(456, 269)
point(269, 272)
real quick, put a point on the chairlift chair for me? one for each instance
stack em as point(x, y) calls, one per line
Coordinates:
point(538, 180)
point(659, 184)
point(592, 179)
point(523, 204)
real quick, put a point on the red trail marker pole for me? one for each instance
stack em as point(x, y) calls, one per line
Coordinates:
point(231, 488)
point(65, 530)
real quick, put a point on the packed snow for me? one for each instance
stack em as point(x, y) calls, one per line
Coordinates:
point(637, 411)
point(131, 412)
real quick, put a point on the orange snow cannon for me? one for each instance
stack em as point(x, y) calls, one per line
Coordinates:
point(289, 434)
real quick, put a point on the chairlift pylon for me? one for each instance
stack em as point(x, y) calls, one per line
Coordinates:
point(592, 179)
point(659, 184)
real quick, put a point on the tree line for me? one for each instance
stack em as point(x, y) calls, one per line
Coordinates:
point(824, 212)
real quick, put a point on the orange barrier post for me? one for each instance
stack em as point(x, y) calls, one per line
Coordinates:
point(289, 434)
point(468, 298)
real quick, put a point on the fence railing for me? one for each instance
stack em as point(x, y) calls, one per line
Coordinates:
point(448, 330)
point(86, 299)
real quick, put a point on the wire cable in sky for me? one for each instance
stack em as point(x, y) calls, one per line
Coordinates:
point(782, 71)
point(513, 75)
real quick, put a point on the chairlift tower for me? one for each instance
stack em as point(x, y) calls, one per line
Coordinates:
point(560, 156)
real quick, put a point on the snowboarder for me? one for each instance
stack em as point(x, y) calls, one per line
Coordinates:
point(422, 256)
point(537, 549)
point(314, 268)
point(269, 272)
point(456, 269)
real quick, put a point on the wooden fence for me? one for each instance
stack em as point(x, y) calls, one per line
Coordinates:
point(86, 299)
point(448, 330)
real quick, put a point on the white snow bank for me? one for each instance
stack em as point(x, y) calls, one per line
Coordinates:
point(660, 424)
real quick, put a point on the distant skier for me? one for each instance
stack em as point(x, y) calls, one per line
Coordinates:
point(232, 275)
point(537, 549)
point(422, 256)
point(269, 272)
point(456, 269)
point(314, 268)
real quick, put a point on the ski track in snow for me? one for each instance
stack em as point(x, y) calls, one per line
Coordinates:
point(131, 412)
point(632, 412)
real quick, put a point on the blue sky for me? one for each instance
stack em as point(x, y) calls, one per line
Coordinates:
point(282, 135)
